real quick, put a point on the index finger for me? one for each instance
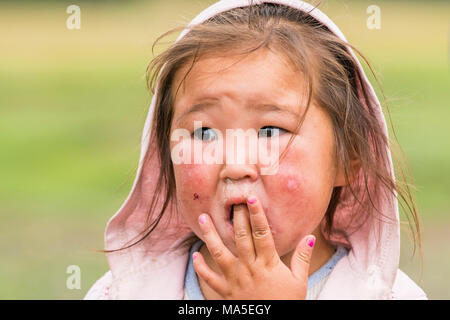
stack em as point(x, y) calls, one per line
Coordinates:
point(262, 236)
point(216, 248)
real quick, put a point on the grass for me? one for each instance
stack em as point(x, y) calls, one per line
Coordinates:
point(73, 104)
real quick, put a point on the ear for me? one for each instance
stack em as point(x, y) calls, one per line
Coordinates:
point(355, 165)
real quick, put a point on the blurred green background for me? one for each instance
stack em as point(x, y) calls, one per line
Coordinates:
point(73, 105)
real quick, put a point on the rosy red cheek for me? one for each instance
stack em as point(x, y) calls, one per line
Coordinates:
point(188, 175)
point(285, 190)
point(191, 182)
point(289, 184)
point(292, 184)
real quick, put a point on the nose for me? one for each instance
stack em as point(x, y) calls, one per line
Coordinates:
point(240, 155)
point(239, 172)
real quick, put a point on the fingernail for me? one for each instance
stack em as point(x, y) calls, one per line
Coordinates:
point(202, 218)
point(251, 200)
point(194, 255)
point(311, 242)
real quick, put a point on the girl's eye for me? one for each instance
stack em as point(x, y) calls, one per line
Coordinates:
point(270, 131)
point(205, 134)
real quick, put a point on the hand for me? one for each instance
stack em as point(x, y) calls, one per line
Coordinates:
point(257, 272)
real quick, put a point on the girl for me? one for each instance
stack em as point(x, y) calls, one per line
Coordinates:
point(320, 222)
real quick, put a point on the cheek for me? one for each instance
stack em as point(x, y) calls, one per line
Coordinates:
point(287, 189)
point(191, 182)
point(295, 211)
point(304, 180)
point(292, 184)
point(191, 179)
point(297, 198)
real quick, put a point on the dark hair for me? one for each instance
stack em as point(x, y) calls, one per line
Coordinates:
point(334, 83)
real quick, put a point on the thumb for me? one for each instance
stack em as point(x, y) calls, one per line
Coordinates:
point(302, 257)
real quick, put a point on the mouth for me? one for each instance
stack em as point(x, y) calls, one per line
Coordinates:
point(230, 205)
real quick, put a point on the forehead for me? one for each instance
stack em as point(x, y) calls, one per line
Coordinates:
point(260, 74)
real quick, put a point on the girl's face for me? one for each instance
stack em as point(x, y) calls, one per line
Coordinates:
point(261, 92)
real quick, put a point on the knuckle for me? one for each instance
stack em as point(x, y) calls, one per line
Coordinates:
point(260, 233)
point(207, 232)
point(228, 294)
point(241, 234)
point(302, 256)
point(244, 282)
point(272, 262)
point(207, 278)
point(254, 212)
point(216, 253)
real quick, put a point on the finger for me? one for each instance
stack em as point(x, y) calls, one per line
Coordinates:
point(243, 234)
point(212, 279)
point(262, 236)
point(301, 258)
point(218, 251)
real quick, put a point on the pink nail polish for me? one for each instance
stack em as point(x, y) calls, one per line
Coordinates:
point(194, 255)
point(311, 242)
point(252, 200)
point(202, 219)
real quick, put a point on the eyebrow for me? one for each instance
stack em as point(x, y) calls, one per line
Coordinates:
point(197, 108)
point(267, 107)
